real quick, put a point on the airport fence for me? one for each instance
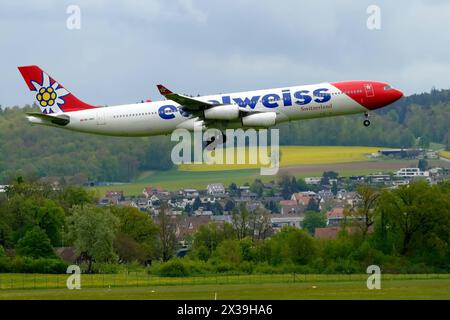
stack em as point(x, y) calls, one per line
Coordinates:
point(136, 279)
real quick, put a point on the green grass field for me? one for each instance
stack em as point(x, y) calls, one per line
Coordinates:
point(198, 176)
point(226, 287)
point(174, 179)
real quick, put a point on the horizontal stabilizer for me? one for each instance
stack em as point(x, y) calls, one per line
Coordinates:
point(61, 120)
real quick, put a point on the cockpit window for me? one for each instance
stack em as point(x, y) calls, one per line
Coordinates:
point(387, 87)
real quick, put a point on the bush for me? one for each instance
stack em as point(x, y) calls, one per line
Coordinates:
point(197, 267)
point(172, 268)
point(30, 265)
point(224, 268)
point(5, 264)
point(265, 268)
point(246, 267)
point(105, 268)
point(344, 266)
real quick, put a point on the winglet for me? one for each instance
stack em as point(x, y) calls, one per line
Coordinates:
point(163, 90)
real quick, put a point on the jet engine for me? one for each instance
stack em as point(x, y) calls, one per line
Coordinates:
point(225, 112)
point(262, 120)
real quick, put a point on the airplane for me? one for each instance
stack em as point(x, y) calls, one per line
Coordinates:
point(252, 109)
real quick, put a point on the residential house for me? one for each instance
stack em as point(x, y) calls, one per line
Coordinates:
point(335, 216)
point(347, 197)
point(379, 178)
point(279, 221)
point(223, 218)
point(188, 226)
point(202, 212)
point(411, 173)
point(253, 205)
point(325, 195)
point(290, 207)
point(313, 180)
point(67, 254)
point(150, 191)
point(304, 198)
point(327, 233)
point(215, 189)
point(128, 203)
point(115, 196)
point(106, 202)
point(190, 193)
point(330, 233)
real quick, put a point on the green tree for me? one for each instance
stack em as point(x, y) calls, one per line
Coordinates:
point(286, 187)
point(50, 217)
point(137, 235)
point(167, 240)
point(229, 251)
point(74, 195)
point(366, 207)
point(422, 165)
point(36, 244)
point(414, 214)
point(229, 205)
point(197, 203)
point(314, 220)
point(241, 221)
point(313, 205)
point(257, 187)
point(92, 231)
point(233, 189)
point(210, 236)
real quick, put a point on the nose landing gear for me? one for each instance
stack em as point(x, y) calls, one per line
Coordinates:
point(367, 121)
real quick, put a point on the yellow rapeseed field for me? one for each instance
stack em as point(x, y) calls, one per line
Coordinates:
point(445, 154)
point(289, 156)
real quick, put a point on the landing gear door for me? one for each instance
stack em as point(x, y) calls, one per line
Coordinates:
point(368, 88)
point(101, 117)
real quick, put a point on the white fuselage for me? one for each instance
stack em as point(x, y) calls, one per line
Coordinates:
point(162, 117)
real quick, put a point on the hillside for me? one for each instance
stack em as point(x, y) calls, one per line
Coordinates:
point(40, 151)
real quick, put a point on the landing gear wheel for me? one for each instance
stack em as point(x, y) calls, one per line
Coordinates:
point(215, 141)
point(366, 123)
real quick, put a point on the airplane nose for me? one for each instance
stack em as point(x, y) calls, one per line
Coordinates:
point(397, 94)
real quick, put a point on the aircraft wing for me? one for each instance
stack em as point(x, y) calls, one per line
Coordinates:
point(188, 103)
point(61, 119)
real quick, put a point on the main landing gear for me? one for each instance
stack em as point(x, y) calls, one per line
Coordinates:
point(214, 141)
point(367, 121)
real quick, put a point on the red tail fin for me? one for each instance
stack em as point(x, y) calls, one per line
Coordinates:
point(51, 96)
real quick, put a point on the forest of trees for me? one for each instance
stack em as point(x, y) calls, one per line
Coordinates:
point(40, 151)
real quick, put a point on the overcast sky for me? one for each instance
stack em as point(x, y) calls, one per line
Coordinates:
point(124, 48)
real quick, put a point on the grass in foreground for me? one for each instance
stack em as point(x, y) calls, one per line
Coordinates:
point(322, 290)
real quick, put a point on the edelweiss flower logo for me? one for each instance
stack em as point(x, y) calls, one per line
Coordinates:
point(49, 96)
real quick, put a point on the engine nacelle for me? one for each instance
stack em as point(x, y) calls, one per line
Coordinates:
point(191, 124)
point(264, 120)
point(225, 112)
